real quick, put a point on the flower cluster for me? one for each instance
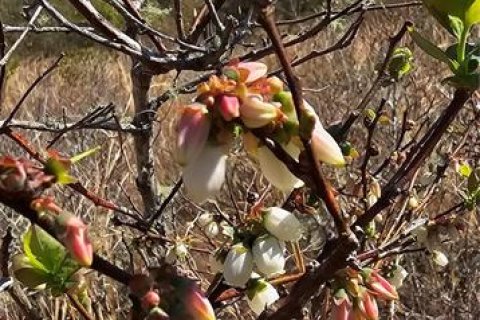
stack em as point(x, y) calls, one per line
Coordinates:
point(258, 247)
point(22, 180)
point(356, 293)
point(265, 251)
point(242, 101)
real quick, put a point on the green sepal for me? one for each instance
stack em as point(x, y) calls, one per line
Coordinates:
point(60, 170)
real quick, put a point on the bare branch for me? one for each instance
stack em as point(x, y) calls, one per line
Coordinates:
point(14, 47)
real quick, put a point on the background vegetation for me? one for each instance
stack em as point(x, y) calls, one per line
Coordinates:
point(89, 76)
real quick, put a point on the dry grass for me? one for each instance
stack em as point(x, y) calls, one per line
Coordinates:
point(89, 77)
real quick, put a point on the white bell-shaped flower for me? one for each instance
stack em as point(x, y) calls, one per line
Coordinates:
point(204, 219)
point(282, 224)
point(204, 178)
point(238, 265)
point(261, 295)
point(275, 171)
point(324, 147)
point(268, 255)
point(212, 229)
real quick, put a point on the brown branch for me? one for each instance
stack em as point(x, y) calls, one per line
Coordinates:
point(2, 68)
point(416, 156)
point(5, 252)
point(177, 6)
point(99, 264)
point(322, 186)
point(312, 281)
point(201, 21)
point(20, 141)
point(355, 114)
point(86, 9)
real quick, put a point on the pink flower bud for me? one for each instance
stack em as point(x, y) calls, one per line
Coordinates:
point(367, 305)
point(198, 306)
point(192, 133)
point(229, 107)
point(150, 300)
point(342, 306)
point(256, 114)
point(13, 175)
point(379, 285)
point(74, 235)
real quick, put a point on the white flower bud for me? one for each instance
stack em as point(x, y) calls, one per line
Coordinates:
point(227, 229)
point(324, 147)
point(204, 219)
point(261, 295)
point(204, 177)
point(177, 252)
point(212, 230)
point(238, 266)
point(399, 275)
point(282, 224)
point(439, 258)
point(268, 255)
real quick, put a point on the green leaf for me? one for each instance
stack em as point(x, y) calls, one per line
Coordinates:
point(472, 56)
point(432, 50)
point(84, 154)
point(26, 273)
point(466, 81)
point(473, 184)
point(457, 26)
point(48, 262)
point(44, 251)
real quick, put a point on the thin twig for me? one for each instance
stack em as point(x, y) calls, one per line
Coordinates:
point(80, 308)
point(29, 90)
point(14, 47)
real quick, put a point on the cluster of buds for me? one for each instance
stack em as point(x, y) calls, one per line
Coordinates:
point(168, 296)
point(20, 179)
point(240, 101)
point(356, 293)
point(213, 226)
point(433, 234)
point(265, 251)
